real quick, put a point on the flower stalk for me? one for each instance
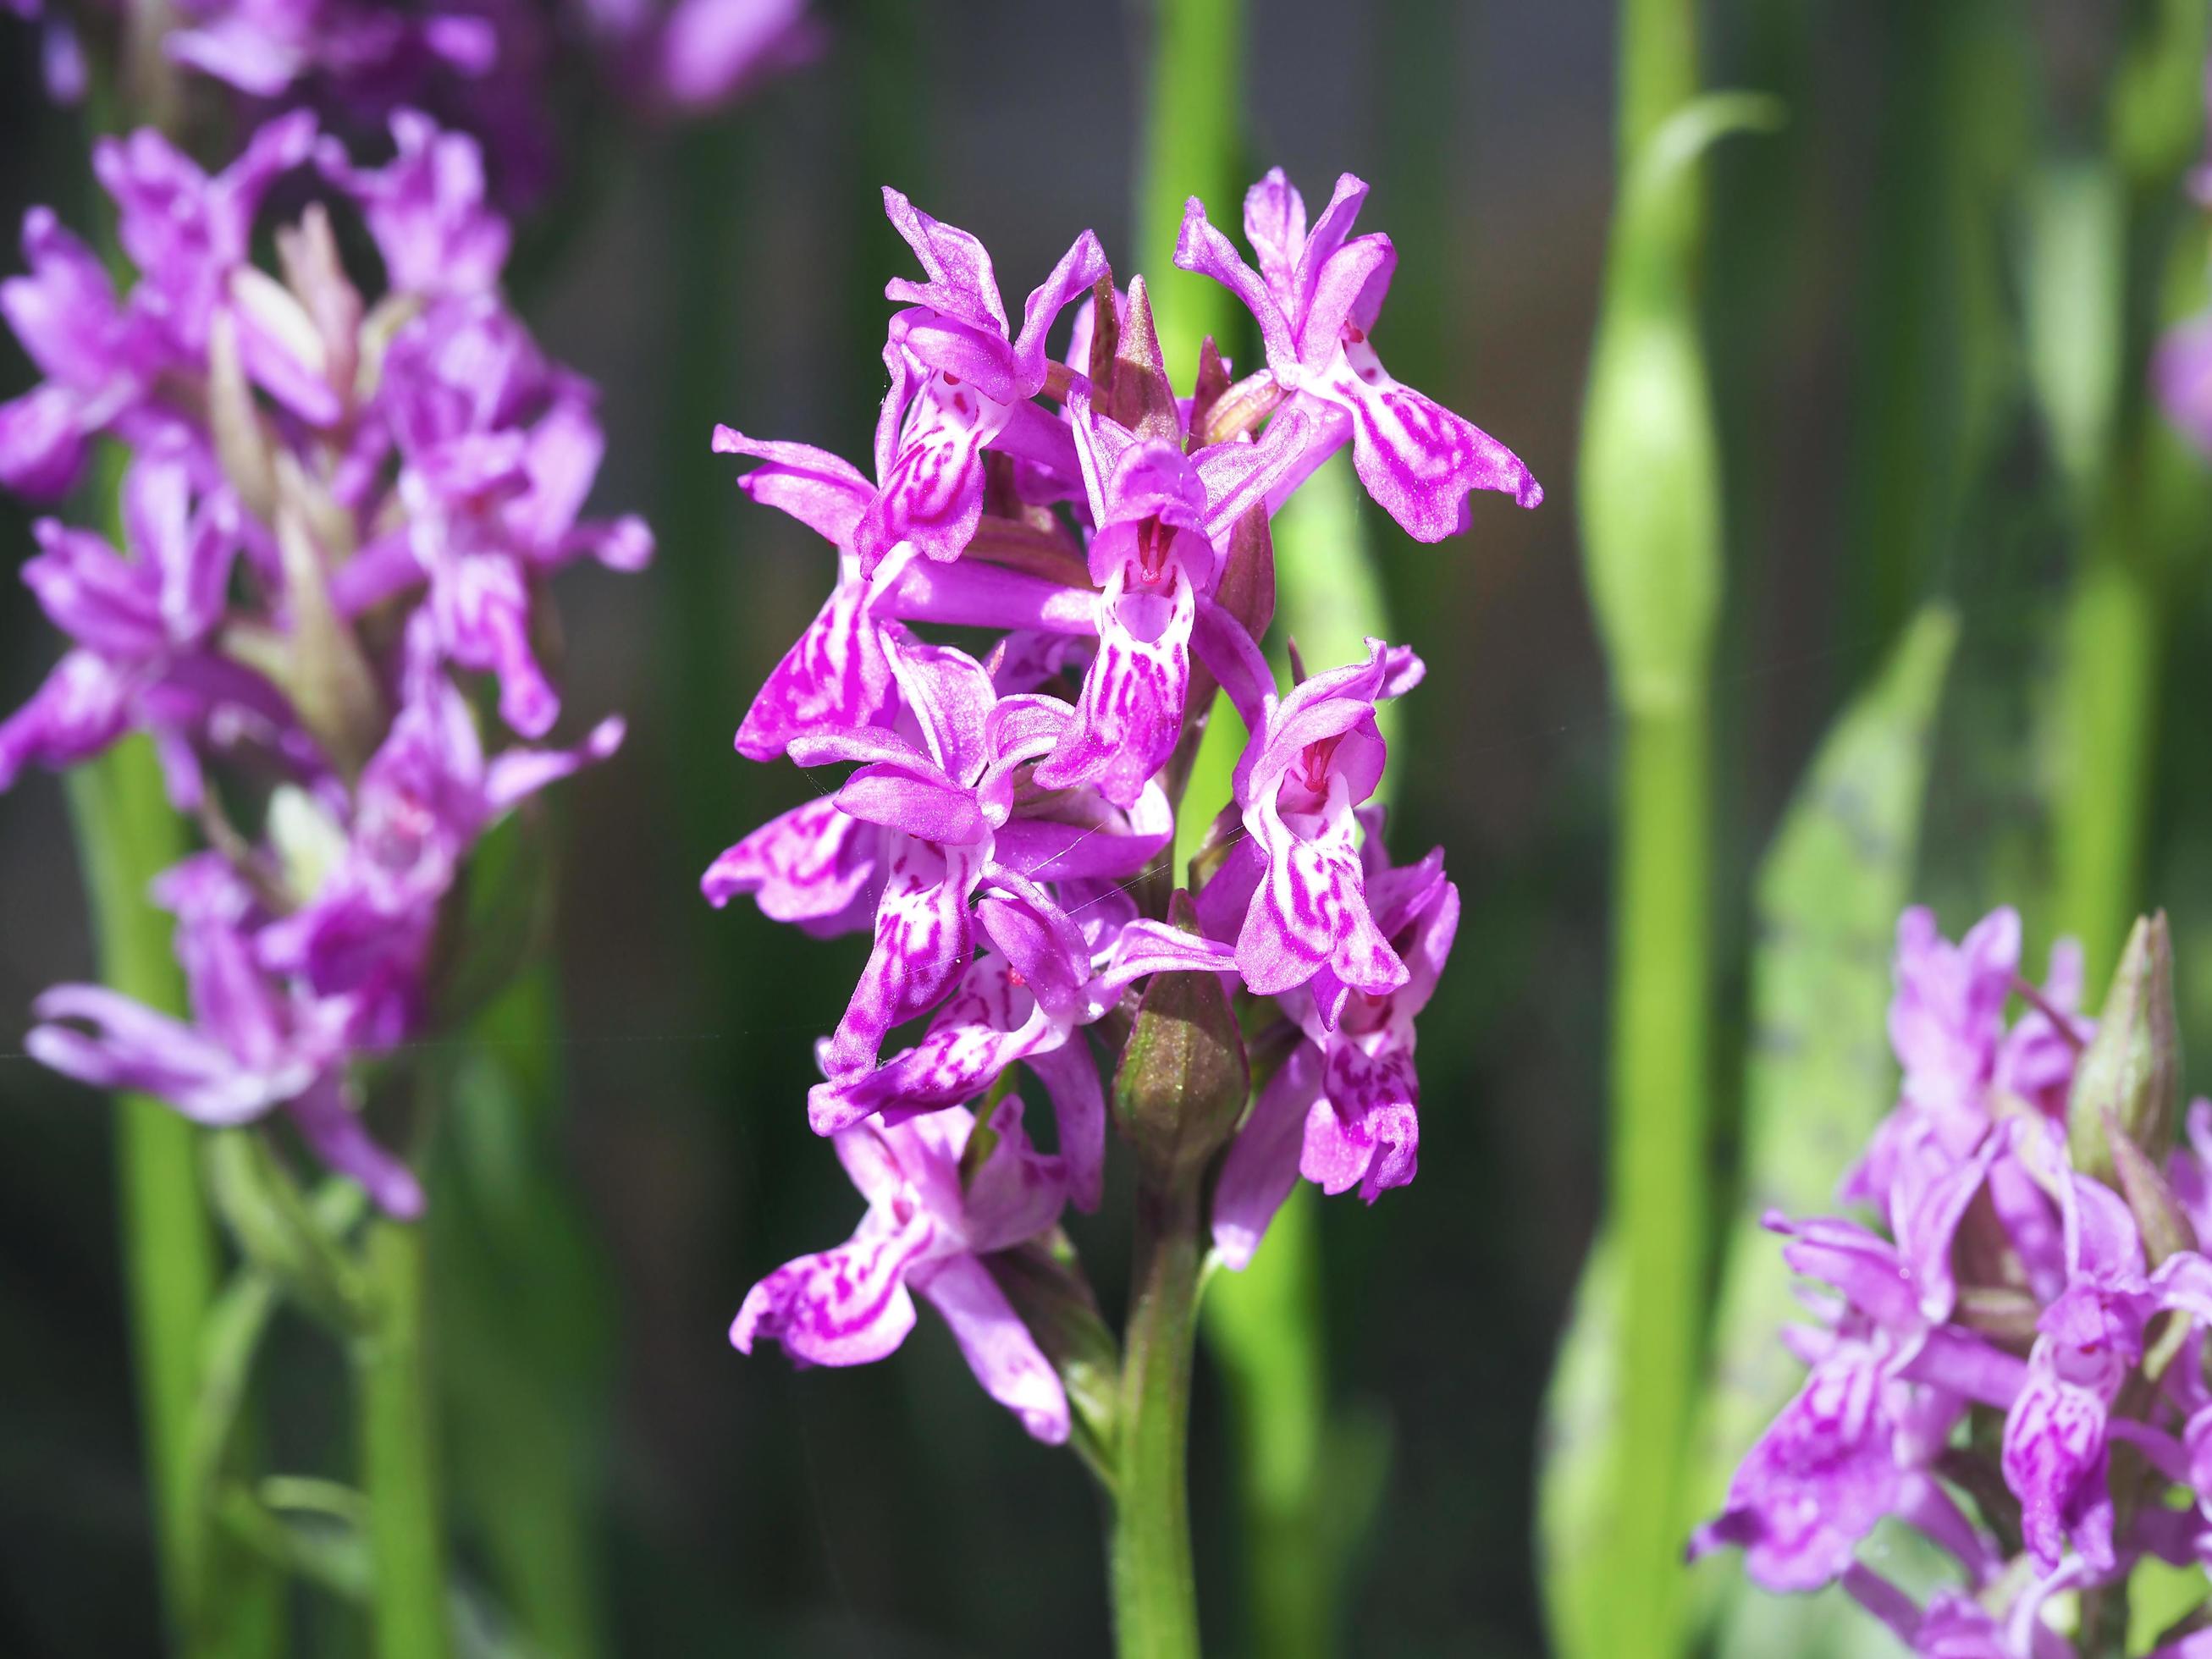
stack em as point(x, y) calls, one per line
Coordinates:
point(125, 836)
point(398, 1450)
point(1155, 1589)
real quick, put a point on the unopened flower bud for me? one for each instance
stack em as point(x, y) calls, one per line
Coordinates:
point(1182, 1079)
point(1143, 400)
point(2132, 1067)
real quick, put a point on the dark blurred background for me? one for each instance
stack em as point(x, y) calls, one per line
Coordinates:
point(733, 271)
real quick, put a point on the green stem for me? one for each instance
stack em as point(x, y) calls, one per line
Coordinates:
point(1659, 1085)
point(126, 834)
point(1264, 1328)
point(1189, 146)
point(1155, 1592)
point(406, 1525)
point(2107, 697)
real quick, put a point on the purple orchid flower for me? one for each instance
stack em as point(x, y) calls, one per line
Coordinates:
point(968, 385)
point(143, 629)
point(1163, 519)
point(925, 1232)
point(254, 1046)
point(426, 796)
point(1297, 879)
point(98, 358)
point(1316, 298)
point(1343, 1109)
point(427, 209)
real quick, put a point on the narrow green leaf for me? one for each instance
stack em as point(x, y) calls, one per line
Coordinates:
point(281, 1233)
point(1578, 1452)
point(1819, 1075)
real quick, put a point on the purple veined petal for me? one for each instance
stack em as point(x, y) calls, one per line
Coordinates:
point(1925, 1220)
point(846, 1306)
point(1234, 659)
point(865, 744)
point(1020, 728)
point(836, 674)
point(1087, 839)
point(871, 1165)
point(42, 443)
point(482, 603)
point(951, 697)
point(1308, 909)
point(1144, 946)
point(130, 1046)
point(1239, 476)
point(918, 803)
point(961, 283)
point(517, 773)
point(1417, 458)
point(824, 492)
point(1075, 276)
point(933, 495)
point(1330, 232)
point(65, 312)
point(990, 1021)
point(1128, 716)
point(1070, 1077)
point(1968, 1367)
point(1045, 950)
point(334, 1131)
point(1345, 294)
point(81, 707)
point(709, 52)
point(1867, 1269)
point(1203, 249)
point(813, 866)
point(923, 939)
point(1817, 1480)
point(1366, 1131)
point(1262, 1165)
point(958, 352)
point(1224, 899)
point(625, 545)
point(2054, 1461)
point(240, 53)
point(1034, 436)
point(104, 602)
point(1275, 226)
point(997, 1345)
point(561, 459)
point(971, 593)
point(1019, 1192)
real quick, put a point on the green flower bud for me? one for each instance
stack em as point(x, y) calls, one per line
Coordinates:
point(2132, 1068)
point(1184, 1078)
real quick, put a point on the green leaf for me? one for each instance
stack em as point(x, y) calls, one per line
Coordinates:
point(1819, 1074)
point(1649, 493)
point(1579, 1450)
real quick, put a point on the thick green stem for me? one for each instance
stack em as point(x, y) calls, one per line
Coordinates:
point(126, 834)
point(1189, 146)
point(398, 1449)
point(1155, 1592)
point(1661, 1082)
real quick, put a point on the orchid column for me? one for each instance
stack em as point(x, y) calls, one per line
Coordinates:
point(1003, 834)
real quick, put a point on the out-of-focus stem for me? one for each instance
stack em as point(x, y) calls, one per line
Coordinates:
point(1189, 146)
point(399, 1456)
point(1658, 1194)
point(2107, 693)
point(126, 834)
point(1155, 1589)
point(1265, 1325)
